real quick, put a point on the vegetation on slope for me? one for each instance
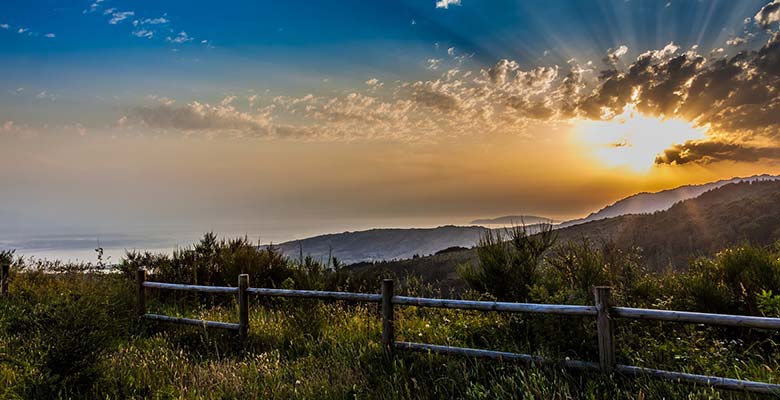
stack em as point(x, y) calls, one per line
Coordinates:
point(71, 334)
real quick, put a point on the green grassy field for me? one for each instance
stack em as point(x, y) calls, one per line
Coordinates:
point(72, 334)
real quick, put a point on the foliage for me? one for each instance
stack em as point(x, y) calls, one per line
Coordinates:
point(70, 334)
point(218, 262)
point(58, 328)
point(508, 269)
point(768, 303)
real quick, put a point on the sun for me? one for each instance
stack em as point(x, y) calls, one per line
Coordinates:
point(632, 139)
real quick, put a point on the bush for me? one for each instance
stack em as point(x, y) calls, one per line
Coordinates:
point(218, 262)
point(508, 269)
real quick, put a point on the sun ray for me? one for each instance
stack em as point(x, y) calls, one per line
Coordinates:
point(633, 139)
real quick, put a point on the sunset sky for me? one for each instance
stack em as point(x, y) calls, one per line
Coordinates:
point(315, 115)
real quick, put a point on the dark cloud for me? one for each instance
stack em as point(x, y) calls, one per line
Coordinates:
point(768, 15)
point(199, 117)
point(737, 97)
point(704, 152)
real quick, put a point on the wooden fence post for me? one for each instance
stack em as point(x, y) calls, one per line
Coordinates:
point(5, 272)
point(243, 306)
point(605, 329)
point(140, 305)
point(388, 323)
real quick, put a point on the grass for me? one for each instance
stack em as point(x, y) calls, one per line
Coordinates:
point(72, 334)
point(307, 349)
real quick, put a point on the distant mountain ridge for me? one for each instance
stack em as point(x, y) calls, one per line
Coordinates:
point(514, 220)
point(648, 203)
point(383, 244)
point(728, 215)
point(403, 243)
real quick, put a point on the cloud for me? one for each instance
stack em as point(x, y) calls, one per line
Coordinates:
point(93, 7)
point(447, 3)
point(22, 30)
point(736, 98)
point(769, 14)
point(7, 126)
point(143, 33)
point(161, 99)
point(197, 116)
point(433, 63)
point(50, 35)
point(151, 21)
point(705, 152)
point(46, 95)
point(117, 17)
point(613, 56)
point(4, 26)
point(736, 41)
point(182, 37)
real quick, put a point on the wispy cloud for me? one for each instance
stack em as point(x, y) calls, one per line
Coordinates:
point(117, 17)
point(4, 26)
point(447, 3)
point(181, 37)
point(50, 35)
point(151, 21)
point(143, 33)
point(46, 95)
point(93, 7)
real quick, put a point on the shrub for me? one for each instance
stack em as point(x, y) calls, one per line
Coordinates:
point(508, 269)
point(218, 262)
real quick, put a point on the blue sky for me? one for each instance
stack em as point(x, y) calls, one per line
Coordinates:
point(375, 111)
point(290, 46)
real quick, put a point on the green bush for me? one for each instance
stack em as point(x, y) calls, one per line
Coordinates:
point(508, 262)
point(218, 262)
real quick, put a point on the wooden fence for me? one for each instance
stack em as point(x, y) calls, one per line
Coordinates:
point(603, 310)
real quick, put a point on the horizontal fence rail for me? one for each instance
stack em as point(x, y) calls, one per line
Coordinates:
point(603, 311)
point(496, 355)
point(241, 291)
point(697, 318)
point(315, 294)
point(495, 306)
point(191, 288)
point(190, 321)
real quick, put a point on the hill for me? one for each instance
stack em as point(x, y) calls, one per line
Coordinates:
point(647, 203)
point(399, 243)
point(728, 215)
point(383, 244)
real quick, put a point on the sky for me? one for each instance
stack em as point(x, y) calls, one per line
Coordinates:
point(282, 119)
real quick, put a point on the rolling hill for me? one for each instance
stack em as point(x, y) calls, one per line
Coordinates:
point(400, 243)
point(728, 215)
point(646, 203)
point(383, 244)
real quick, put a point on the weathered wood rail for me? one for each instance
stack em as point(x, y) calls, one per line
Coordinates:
point(603, 310)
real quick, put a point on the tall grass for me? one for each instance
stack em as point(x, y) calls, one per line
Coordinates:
point(71, 334)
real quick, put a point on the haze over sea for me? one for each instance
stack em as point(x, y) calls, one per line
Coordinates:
point(68, 244)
